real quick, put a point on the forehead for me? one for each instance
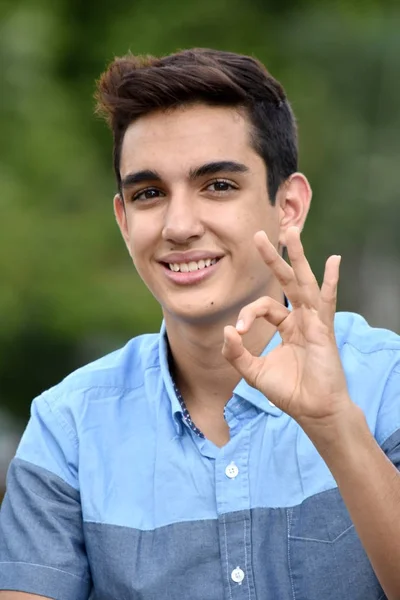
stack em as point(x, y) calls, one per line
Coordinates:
point(176, 139)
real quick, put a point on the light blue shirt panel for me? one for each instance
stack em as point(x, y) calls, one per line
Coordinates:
point(139, 466)
point(184, 486)
point(136, 471)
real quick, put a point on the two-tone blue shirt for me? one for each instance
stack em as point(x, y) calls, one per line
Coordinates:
point(113, 496)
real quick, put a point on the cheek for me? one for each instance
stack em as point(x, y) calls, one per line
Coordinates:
point(259, 220)
point(243, 219)
point(142, 238)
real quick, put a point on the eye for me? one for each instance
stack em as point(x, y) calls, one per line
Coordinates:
point(148, 194)
point(221, 186)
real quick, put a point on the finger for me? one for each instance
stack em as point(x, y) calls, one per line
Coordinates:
point(301, 267)
point(273, 259)
point(268, 308)
point(328, 295)
point(244, 362)
point(280, 268)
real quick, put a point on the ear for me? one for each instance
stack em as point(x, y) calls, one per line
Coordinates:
point(120, 215)
point(294, 199)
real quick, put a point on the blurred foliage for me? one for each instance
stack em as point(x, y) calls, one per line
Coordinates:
point(68, 290)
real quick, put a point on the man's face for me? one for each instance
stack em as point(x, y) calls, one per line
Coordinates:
point(195, 193)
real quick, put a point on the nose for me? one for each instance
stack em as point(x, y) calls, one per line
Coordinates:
point(182, 222)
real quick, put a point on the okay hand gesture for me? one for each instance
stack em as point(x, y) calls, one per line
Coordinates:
point(303, 376)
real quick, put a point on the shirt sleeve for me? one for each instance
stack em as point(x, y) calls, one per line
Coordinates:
point(42, 548)
point(388, 423)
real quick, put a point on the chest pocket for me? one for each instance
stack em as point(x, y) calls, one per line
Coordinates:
point(326, 558)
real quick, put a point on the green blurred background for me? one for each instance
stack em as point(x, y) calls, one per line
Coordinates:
point(68, 291)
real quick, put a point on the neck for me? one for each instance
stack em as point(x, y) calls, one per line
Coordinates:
point(203, 376)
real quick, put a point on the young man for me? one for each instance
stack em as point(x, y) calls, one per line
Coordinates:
point(249, 451)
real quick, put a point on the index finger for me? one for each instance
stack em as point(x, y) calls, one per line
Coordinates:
point(278, 265)
point(301, 267)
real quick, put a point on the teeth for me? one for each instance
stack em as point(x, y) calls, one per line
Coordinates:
point(192, 265)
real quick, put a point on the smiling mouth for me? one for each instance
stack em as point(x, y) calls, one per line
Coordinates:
point(191, 266)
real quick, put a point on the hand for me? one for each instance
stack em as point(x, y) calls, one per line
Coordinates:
point(303, 376)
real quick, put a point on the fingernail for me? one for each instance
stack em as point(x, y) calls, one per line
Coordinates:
point(240, 324)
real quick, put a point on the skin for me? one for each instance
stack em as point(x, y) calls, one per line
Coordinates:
point(21, 596)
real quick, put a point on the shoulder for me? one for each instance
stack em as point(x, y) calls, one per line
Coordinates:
point(356, 338)
point(124, 368)
point(371, 360)
point(95, 398)
point(117, 374)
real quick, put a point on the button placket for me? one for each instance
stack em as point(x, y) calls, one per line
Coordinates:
point(234, 520)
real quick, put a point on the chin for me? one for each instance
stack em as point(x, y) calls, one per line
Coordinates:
point(202, 314)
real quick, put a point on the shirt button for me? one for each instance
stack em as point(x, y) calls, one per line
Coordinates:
point(231, 471)
point(237, 575)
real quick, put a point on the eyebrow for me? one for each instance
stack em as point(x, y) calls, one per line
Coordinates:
point(139, 177)
point(211, 168)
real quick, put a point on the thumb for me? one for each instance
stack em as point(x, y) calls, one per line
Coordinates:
point(238, 356)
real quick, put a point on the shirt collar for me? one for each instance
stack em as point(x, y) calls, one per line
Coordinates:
point(176, 408)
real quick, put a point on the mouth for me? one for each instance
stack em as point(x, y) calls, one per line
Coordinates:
point(191, 266)
point(192, 272)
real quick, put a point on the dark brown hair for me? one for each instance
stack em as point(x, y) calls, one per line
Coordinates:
point(133, 86)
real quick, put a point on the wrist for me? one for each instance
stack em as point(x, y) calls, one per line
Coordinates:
point(335, 437)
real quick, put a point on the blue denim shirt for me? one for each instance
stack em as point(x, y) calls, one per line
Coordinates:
point(113, 496)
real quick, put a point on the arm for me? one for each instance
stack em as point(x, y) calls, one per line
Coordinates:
point(370, 487)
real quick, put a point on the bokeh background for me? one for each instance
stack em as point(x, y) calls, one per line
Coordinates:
point(68, 292)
